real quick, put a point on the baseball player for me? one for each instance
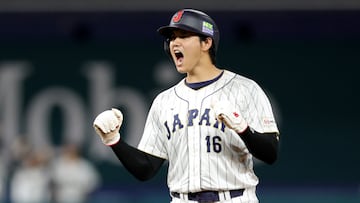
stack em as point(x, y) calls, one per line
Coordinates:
point(209, 126)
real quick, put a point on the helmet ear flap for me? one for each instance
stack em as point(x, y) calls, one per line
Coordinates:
point(167, 48)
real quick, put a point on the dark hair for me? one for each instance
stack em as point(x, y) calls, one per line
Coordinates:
point(212, 51)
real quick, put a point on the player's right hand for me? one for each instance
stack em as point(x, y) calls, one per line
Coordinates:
point(107, 125)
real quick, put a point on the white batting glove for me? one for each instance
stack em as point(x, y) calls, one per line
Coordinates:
point(225, 113)
point(107, 125)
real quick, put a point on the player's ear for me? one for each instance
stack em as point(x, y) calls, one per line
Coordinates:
point(206, 43)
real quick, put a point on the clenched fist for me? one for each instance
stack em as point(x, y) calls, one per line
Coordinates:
point(227, 114)
point(107, 125)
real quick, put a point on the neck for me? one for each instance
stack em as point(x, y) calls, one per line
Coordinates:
point(203, 74)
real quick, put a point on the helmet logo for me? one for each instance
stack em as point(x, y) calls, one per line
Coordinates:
point(208, 28)
point(177, 16)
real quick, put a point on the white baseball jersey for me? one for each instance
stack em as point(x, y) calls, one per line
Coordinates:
point(204, 154)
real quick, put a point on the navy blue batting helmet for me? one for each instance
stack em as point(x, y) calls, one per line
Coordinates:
point(194, 21)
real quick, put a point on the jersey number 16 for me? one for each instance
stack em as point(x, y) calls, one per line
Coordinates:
point(214, 143)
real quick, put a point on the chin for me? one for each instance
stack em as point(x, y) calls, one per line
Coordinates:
point(181, 69)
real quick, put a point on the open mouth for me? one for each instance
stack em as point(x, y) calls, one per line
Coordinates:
point(179, 56)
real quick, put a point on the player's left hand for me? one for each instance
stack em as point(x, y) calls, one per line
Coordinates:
point(227, 114)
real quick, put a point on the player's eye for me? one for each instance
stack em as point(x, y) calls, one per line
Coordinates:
point(180, 34)
point(172, 37)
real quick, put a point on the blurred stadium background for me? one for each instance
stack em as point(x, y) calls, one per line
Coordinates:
point(63, 62)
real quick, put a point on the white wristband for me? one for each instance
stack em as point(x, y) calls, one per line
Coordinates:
point(112, 140)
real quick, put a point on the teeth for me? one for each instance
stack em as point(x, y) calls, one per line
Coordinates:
point(178, 54)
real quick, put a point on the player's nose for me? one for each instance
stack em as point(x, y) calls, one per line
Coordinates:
point(174, 45)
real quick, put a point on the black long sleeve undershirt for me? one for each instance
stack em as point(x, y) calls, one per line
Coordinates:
point(140, 164)
point(144, 166)
point(263, 146)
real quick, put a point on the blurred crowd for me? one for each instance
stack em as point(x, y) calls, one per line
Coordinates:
point(46, 175)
